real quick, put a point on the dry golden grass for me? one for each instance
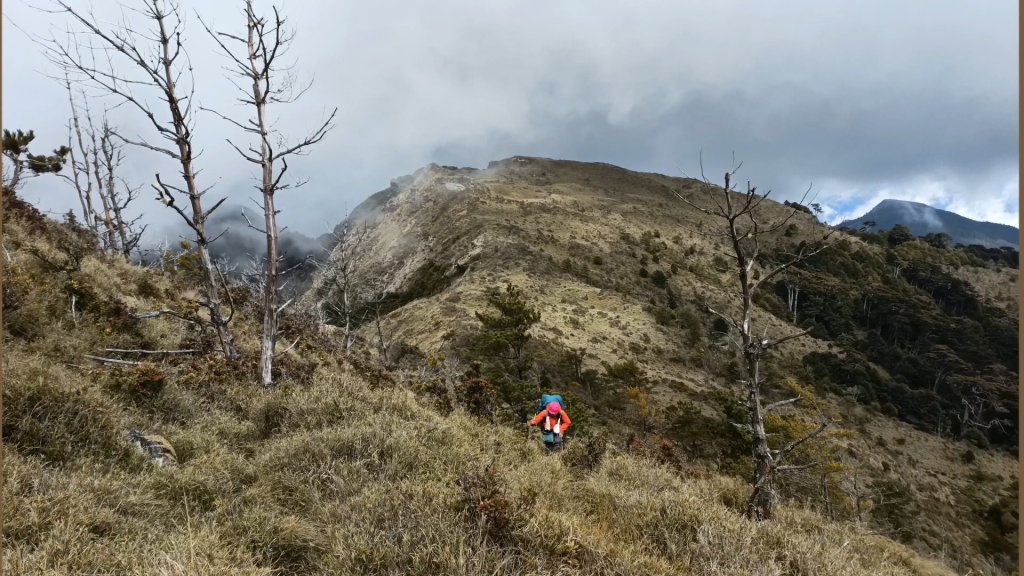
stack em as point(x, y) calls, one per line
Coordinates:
point(352, 480)
point(333, 472)
point(999, 287)
point(520, 222)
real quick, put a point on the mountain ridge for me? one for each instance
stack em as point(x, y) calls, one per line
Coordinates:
point(923, 219)
point(620, 268)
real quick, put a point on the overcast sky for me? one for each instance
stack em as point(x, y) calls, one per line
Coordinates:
point(866, 100)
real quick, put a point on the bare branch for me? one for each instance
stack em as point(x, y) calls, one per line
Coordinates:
point(164, 190)
point(143, 144)
point(794, 468)
point(218, 236)
point(164, 312)
point(780, 404)
point(215, 206)
point(283, 306)
point(797, 443)
point(732, 322)
point(802, 255)
point(111, 360)
point(117, 350)
point(253, 159)
point(241, 126)
point(787, 338)
point(314, 138)
point(290, 347)
point(251, 225)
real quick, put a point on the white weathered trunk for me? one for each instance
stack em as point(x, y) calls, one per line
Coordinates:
point(267, 185)
point(84, 193)
point(110, 163)
point(269, 296)
point(109, 233)
point(183, 140)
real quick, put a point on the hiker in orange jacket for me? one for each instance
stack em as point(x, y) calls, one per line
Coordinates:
point(554, 422)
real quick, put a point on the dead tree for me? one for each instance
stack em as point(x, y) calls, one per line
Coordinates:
point(342, 296)
point(119, 196)
point(96, 163)
point(258, 63)
point(160, 63)
point(793, 295)
point(385, 338)
point(744, 229)
point(109, 235)
point(975, 409)
point(81, 174)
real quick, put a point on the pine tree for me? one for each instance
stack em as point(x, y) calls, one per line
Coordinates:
point(15, 148)
point(507, 332)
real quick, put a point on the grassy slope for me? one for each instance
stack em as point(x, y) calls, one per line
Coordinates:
point(341, 470)
point(524, 220)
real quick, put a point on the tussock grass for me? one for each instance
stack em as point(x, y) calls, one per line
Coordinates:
point(688, 524)
point(354, 480)
point(332, 473)
point(48, 412)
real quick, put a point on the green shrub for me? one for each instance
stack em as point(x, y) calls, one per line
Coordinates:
point(976, 437)
point(659, 278)
point(628, 371)
point(663, 315)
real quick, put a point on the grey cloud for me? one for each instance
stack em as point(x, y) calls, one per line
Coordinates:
point(862, 97)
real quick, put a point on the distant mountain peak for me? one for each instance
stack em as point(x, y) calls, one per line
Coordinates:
point(923, 219)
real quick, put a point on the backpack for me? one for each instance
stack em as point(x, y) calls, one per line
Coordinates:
point(546, 399)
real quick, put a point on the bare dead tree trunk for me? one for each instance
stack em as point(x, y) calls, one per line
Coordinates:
point(793, 292)
point(972, 417)
point(341, 294)
point(762, 499)
point(161, 73)
point(858, 498)
point(78, 167)
point(347, 303)
point(270, 290)
point(384, 340)
point(342, 281)
point(268, 187)
point(109, 233)
point(265, 43)
point(198, 221)
point(826, 497)
point(128, 235)
point(382, 345)
point(115, 210)
point(743, 229)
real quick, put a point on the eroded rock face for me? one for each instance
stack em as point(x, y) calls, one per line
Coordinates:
point(155, 446)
